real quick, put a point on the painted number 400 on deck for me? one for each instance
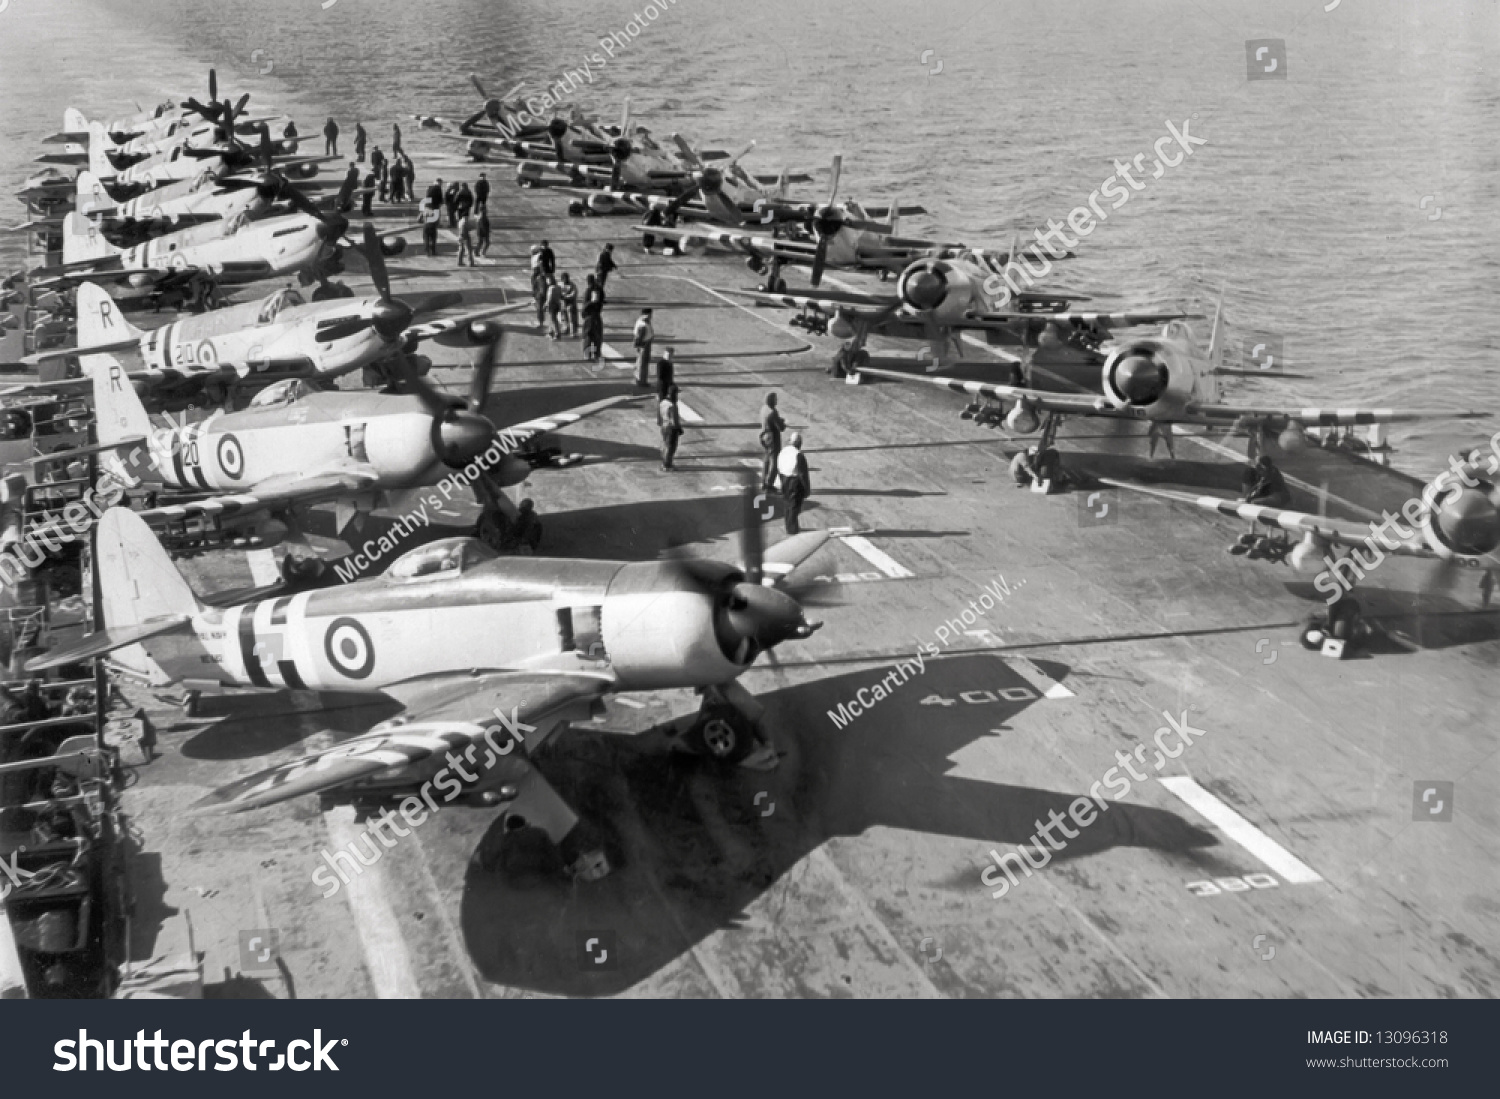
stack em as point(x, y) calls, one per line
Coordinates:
point(979, 698)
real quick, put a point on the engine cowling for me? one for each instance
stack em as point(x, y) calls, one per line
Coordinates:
point(1149, 377)
point(1461, 522)
point(937, 289)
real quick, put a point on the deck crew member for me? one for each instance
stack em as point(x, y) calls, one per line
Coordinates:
point(361, 139)
point(331, 138)
point(796, 481)
point(605, 264)
point(641, 337)
point(570, 303)
point(771, 427)
point(670, 421)
point(482, 192)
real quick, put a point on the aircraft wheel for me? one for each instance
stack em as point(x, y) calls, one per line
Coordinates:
point(722, 733)
point(777, 286)
point(1313, 637)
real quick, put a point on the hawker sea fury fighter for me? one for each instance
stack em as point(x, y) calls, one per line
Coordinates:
point(937, 299)
point(226, 252)
point(295, 447)
point(720, 191)
point(278, 336)
point(487, 657)
point(1454, 520)
point(1156, 378)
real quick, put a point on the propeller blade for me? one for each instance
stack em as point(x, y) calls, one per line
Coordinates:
point(689, 154)
point(625, 119)
point(736, 158)
point(434, 402)
point(514, 91)
point(213, 84)
point(484, 370)
point(833, 177)
point(820, 259)
point(375, 258)
point(474, 79)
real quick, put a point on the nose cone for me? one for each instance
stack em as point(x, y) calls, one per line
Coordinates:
point(713, 181)
point(1140, 378)
point(925, 289)
point(766, 616)
point(462, 437)
point(620, 148)
point(1469, 522)
point(391, 319)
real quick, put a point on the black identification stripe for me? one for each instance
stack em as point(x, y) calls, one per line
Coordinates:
point(279, 609)
point(248, 654)
point(290, 675)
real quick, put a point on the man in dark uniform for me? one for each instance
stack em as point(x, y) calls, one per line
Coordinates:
point(360, 140)
point(771, 427)
point(796, 481)
point(604, 265)
point(548, 259)
point(482, 193)
point(331, 138)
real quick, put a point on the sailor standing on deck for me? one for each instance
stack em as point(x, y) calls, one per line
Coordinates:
point(570, 303)
point(360, 140)
point(771, 427)
point(670, 421)
point(604, 265)
point(331, 138)
point(796, 481)
point(482, 193)
point(641, 338)
point(593, 320)
point(378, 166)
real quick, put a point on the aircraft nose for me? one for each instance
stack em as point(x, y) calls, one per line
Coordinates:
point(766, 616)
point(391, 319)
point(1469, 521)
point(925, 289)
point(462, 437)
point(1140, 378)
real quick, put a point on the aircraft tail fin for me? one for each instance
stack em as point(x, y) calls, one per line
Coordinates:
point(139, 582)
point(118, 411)
point(91, 198)
point(74, 122)
point(82, 240)
point(895, 218)
point(1216, 334)
point(99, 142)
point(781, 183)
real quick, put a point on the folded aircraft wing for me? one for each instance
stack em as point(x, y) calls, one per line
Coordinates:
point(1327, 417)
point(1082, 404)
point(443, 714)
point(437, 328)
point(1337, 531)
point(270, 495)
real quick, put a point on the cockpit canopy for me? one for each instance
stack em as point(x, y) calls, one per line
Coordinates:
point(282, 392)
point(282, 299)
point(443, 559)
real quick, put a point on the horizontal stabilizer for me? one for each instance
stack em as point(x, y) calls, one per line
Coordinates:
point(107, 641)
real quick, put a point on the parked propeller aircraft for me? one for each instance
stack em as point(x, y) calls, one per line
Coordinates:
point(469, 645)
point(843, 235)
point(1455, 520)
point(721, 192)
point(279, 336)
point(295, 446)
point(227, 252)
point(936, 299)
point(1157, 378)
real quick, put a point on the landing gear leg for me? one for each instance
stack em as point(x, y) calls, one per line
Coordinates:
point(730, 727)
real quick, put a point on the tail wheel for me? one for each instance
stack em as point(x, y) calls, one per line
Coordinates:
point(723, 734)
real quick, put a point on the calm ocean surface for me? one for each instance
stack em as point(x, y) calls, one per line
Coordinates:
point(1310, 199)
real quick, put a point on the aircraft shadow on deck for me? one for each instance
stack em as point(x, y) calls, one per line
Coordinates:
point(695, 843)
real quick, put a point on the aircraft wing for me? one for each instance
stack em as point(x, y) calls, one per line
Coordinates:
point(1338, 531)
point(1082, 404)
point(444, 713)
point(831, 302)
point(1326, 417)
point(1103, 320)
point(436, 328)
point(1089, 404)
point(61, 385)
point(278, 492)
point(518, 435)
point(750, 243)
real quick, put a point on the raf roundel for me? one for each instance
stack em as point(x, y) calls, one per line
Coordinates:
point(231, 457)
point(348, 648)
